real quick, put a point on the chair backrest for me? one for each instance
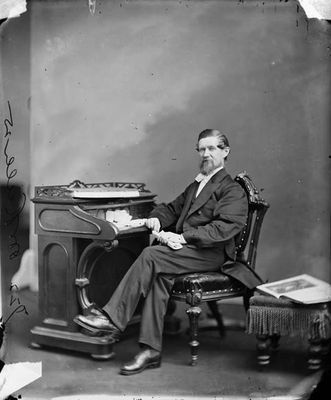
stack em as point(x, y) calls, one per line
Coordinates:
point(257, 207)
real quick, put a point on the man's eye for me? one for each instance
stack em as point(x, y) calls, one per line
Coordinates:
point(203, 149)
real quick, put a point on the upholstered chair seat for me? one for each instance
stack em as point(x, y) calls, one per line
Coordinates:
point(206, 286)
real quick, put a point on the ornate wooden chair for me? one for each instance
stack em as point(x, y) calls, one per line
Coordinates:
point(211, 287)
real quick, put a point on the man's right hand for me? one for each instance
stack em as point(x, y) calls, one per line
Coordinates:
point(153, 224)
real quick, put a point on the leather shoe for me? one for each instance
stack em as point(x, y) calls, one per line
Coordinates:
point(97, 323)
point(148, 358)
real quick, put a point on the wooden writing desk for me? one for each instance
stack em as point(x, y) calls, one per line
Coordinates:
point(81, 259)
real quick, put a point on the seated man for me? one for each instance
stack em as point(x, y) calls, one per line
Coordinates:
point(205, 219)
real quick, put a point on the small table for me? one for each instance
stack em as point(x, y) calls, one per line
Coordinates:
point(270, 318)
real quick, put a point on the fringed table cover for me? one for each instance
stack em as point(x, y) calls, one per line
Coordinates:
point(268, 316)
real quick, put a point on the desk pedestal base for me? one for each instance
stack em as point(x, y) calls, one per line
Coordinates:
point(97, 347)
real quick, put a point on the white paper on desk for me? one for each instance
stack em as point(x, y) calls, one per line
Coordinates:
point(18, 375)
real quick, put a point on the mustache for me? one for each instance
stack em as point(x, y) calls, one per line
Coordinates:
point(206, 160)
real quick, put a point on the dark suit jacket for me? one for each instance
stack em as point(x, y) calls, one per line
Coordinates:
point(212, 219)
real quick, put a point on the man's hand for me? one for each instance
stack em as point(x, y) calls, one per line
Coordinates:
point(153, 224)
point(170, 239)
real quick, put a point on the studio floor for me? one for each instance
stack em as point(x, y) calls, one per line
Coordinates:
point(226, 369)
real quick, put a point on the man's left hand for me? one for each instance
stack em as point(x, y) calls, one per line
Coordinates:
point(165, 237)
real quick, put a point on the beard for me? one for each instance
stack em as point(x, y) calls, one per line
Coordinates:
point(207, 166)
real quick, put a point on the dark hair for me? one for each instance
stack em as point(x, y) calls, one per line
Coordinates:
point(222, 139)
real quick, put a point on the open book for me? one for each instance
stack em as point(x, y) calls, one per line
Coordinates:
point(303, 289)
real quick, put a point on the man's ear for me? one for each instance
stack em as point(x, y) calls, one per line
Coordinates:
point(227, 151)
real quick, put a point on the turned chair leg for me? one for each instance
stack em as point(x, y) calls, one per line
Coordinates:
point(315, 354)
point(193, 314)
point(263, 350)
point(218, 317)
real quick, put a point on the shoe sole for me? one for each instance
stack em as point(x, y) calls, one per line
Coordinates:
point(154, 364)
point(97, 332)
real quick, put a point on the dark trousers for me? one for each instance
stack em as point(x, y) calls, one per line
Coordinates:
point(152, 276)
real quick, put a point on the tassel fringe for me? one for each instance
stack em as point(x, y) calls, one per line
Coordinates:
point(314, 323)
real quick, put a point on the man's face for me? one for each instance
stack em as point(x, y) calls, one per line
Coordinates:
point(211, 156)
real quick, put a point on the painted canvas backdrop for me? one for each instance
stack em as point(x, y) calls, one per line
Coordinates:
point(122, 95)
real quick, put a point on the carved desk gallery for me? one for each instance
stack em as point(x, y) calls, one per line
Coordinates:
point(82, 256)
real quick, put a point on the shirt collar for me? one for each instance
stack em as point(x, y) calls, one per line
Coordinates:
point(201, 177)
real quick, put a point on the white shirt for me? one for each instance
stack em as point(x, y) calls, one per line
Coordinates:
point(203, 179)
